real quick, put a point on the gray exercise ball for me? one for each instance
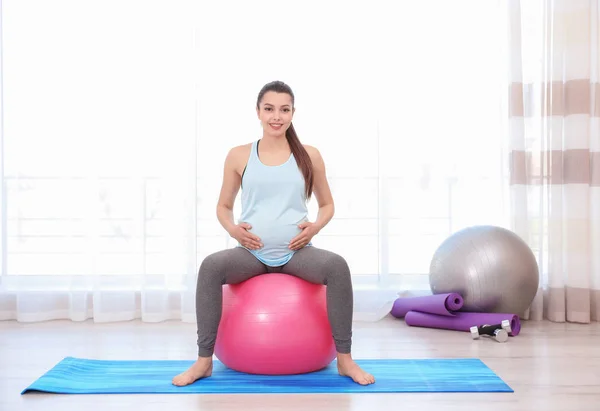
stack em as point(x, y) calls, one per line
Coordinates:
point(492, 268)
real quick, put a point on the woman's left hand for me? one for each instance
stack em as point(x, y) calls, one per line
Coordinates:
point(309, 230)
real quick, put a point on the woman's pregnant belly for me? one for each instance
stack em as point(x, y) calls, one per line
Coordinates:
point(274, 237)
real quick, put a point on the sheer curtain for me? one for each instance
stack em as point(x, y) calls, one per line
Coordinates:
point(118, 116)
point(555, 150)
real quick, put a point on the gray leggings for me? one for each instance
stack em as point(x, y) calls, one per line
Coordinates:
point(234, 265)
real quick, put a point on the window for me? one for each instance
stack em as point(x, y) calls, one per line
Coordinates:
point(118, 116)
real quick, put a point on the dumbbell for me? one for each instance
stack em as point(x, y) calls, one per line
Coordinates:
point(498, 331)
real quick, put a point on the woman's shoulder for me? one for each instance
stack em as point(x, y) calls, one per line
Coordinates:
point(241, 149)
point(312, 151)
point(239, 152)
point(315, 156)
point(238, 155)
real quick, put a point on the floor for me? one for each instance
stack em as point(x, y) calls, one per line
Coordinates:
point(550, 366)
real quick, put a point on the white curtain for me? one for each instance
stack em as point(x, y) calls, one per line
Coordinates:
point(555, 150)
point(117, 116)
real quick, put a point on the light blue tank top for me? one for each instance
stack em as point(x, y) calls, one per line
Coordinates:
point(273, 203)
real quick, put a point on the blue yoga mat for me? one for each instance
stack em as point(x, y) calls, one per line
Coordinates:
point(86, 376)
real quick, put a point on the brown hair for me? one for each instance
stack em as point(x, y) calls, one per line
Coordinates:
point(298, 150)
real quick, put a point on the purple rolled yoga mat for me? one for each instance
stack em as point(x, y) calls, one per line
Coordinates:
point(461, 321)
point(442, 304)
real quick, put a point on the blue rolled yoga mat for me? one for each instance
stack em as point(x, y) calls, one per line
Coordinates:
point(86, 376)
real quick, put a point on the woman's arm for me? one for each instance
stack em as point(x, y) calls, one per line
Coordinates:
point(321, 189)
point(229, 190)
point(230, 187)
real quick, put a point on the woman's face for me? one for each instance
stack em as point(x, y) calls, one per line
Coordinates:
point(275, 113)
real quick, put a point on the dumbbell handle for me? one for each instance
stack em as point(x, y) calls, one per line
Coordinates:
point(489, 329)
point(498, 331)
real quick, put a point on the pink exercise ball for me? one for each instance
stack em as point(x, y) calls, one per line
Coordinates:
point(275, 324)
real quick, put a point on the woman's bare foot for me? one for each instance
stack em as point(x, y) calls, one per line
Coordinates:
point(348, 368)
point(202, 368)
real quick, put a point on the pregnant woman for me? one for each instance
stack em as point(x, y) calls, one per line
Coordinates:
point(277, 175)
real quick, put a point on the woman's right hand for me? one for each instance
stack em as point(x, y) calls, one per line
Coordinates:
point(244, 237)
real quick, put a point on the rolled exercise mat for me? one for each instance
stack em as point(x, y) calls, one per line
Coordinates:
point(442, 304)
point(461, 321)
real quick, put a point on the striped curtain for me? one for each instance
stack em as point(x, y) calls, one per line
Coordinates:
point(554, 108)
